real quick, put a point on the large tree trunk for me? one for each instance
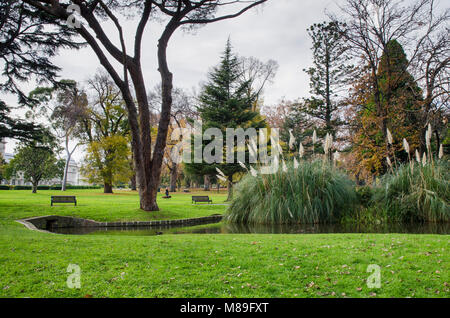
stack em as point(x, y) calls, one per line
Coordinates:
point(141, 144)
point(153, 170)
point(133, 182)
point(173, 177)
point(107, 183)
point(147, 168)
point(206, 182)
point(35, 185)
point(107, 188)
point(148, 198)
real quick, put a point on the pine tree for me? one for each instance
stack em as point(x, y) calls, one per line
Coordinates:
point(225, 103)
point(27, 44)
point(11, 127)
point(328, 76)
point(28, 41)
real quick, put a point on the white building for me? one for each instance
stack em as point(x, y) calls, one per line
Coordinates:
point(74, 176)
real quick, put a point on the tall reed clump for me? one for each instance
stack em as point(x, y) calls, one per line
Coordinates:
point(310, 192)
point(420, 194)
point(417, 191)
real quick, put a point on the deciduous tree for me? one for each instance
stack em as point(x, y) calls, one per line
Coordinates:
point(105, 130)
point(179, 13)
point(107, 161)
point(37, 162)
point(370, 25)
point(63, 106)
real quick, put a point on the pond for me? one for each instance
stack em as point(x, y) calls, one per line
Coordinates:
point(224, 228)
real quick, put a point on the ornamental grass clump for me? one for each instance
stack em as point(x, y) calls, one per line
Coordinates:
point(417, 191)
point(310, 192)
point(420, 194)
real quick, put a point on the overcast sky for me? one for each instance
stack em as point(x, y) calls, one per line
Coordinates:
point(276, 31)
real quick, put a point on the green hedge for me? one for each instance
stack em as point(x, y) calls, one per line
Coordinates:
point(22, 187)
point(364, 194)
point(73, 187)
point(46, 187)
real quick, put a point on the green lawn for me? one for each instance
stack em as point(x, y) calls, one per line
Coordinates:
point(94, 204)
point(34, 264)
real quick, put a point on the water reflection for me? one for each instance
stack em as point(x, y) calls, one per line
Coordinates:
point(222, 228)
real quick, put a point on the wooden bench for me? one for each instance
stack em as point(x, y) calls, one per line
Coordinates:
point(63, 199)
point(201, 198)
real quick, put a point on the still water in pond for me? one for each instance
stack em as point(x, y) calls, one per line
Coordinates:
point(223, 228)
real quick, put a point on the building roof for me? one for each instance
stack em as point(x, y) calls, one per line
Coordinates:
point(8, 157)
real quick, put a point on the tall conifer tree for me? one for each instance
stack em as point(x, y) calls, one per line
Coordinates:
point(400, 99)
point(225, 103)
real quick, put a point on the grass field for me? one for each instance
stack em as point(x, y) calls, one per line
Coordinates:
point(34, 264)
point(94, 204)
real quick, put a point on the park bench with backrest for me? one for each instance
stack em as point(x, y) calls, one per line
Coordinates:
point(63, 199)
point(201, 198)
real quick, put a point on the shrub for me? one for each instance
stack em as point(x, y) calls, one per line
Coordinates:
point(43, 187)
point(4, 187)
point(22, 187)
point(418, 194)
point(82, 187)
point(312, 193)
point(364, 194)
